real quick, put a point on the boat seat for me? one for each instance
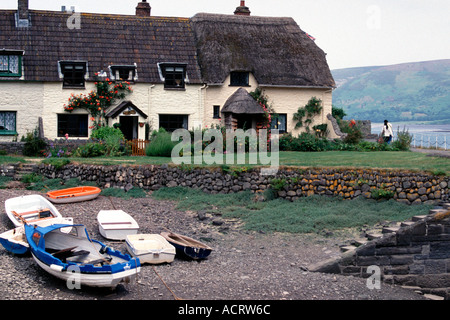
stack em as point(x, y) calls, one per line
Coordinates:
point(69, 253)
point(99, 261)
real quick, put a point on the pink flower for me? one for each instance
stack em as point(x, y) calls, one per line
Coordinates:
point(67, 136)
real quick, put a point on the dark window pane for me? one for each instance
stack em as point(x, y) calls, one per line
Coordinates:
point(76, 125)
point(216, 112)
point(240, 79)
point(73, 73)
point(172, 122)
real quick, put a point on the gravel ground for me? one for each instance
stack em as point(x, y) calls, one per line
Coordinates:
point(243, 266)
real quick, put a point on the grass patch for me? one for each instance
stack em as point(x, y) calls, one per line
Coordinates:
point(4, 181)
point(307, 215)
point(400, 160)
point(120, 193)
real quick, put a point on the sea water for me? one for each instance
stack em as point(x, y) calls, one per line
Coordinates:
point(424, 135)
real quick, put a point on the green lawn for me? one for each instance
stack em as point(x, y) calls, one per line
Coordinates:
point(343, 159)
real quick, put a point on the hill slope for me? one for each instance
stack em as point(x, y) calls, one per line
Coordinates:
point(417, 91)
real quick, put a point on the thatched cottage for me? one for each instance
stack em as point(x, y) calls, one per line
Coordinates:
point(185, 72)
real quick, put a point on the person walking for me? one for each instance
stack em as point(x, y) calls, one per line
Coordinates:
point(387, 132)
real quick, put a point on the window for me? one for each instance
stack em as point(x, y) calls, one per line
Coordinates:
point(76, 125)
point(174, 75)
point(279, 121)
point(10, 63)
point(172, 122)
point(239, 79)
point(73, 73)
point(7, 122)
point(216, 112)
point(123, 73)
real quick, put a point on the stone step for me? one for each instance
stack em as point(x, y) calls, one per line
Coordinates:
point(433, 211)
point(360, 242)
point(373, 236)
point(390, 229)
point(407, 223)
point(418, 218)
point(348, 248)
point(446, 206)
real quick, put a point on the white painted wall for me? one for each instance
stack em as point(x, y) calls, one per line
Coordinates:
point(27, 99)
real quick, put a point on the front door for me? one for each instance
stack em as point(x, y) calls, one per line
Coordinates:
point(129, 127)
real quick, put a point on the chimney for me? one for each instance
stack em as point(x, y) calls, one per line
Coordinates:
point(23, 9)
point(242, 10)
point(23, 14)
point(143, 9)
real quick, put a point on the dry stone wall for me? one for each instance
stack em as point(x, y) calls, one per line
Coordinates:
point(289, 183)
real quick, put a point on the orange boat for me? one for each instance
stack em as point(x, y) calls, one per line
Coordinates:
point(70, 195)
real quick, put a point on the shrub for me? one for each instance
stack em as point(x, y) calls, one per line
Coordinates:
point(113, 139)
point(403, 141)
point(354, 134)
point(34, 146)
point(304, 142)
point(161, 144)
point(103, 133)
point(338, 113)
point(91, 150)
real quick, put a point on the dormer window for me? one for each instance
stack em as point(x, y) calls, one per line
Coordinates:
point(239, 79)
point(10, 63)
point(123, 72)
point(173, 75)
point(73, 73)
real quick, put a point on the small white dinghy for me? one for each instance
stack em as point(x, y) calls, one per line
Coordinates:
point(150, 248)
point(116, 224)
point(30, 209)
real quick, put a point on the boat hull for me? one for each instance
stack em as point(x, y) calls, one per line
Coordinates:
point(14, 241)
point(187, 247)
point(71, 195)
point(116, 224)
point(150, 249)
point(31, 209)
point(100, 280)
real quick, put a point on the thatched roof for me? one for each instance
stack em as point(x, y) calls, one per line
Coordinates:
point(102, 40)
point(241, 102)
point(275, 50)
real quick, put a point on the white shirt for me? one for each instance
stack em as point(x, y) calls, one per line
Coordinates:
point(387, 132)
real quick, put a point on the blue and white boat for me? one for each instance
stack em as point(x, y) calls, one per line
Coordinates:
point(74, 256)
point(34, 210)
point(15, 242)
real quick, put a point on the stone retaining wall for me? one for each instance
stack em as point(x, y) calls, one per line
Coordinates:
point(416, 256)
point(12, 147)
point(289, 183)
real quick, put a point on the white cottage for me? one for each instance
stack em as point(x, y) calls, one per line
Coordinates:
point(182, 70)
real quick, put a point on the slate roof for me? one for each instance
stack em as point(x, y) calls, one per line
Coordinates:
point(102, 40)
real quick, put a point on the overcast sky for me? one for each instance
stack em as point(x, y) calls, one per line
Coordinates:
point(353, 33)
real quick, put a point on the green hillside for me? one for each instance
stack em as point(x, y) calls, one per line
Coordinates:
point(405, 92)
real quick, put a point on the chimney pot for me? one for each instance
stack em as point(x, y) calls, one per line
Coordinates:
point(242, 10)
point(23, 9)
point(143, 9)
